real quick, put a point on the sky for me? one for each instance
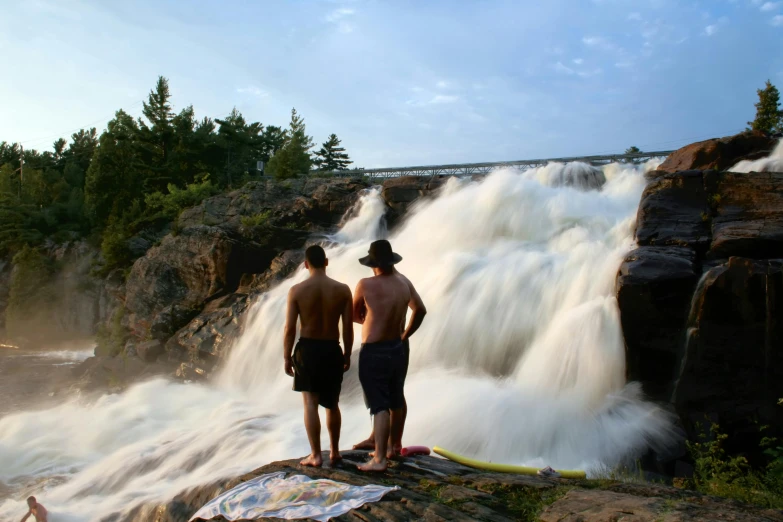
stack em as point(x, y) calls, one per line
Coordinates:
point(401, 82)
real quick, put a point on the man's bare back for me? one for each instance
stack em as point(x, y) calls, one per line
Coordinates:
point(382, 306)
point(321, 301)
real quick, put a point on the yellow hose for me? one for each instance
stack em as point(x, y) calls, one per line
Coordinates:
point(504, 468)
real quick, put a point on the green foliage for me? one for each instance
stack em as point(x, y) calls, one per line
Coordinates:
point(331, 156)
point(769, 117)
point(717, 473)
point(29, 295)
point(633, 150)
point(111, 337)
point(258, 220)
point(170, 205)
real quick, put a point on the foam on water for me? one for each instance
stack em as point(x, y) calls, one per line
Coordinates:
point(772, 163)
point(519, 360)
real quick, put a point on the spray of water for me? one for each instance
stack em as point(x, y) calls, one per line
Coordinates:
point(520, 359)
point(772, 163)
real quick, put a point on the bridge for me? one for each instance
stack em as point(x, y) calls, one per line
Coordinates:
point(470, 169)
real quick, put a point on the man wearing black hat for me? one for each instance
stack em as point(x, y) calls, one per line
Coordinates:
point(380, 305)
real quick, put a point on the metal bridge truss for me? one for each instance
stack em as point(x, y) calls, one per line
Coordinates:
point(471, 169)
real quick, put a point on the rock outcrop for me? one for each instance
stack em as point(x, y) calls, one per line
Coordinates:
point(433, 489)
point(719, 153)
point(701, 298)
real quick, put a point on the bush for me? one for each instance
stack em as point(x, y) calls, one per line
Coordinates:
point(170, 205)
point(717, 473)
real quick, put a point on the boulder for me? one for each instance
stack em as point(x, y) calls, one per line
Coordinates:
point(654, 289)
point(717, 154)
point(748, 215)
point(674, 212)
point(149, 351)
point(174, 280)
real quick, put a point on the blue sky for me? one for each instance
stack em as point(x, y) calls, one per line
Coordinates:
point(402, 82)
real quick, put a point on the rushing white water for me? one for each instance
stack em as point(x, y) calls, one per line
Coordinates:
point(519, 360)
point(772, 163)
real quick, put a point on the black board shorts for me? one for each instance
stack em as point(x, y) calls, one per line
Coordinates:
point(318, 368)
point(382, 370)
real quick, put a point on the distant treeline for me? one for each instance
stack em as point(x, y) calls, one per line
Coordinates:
point(141, 172)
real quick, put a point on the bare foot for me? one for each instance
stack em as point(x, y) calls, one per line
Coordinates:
point(368, 444)
point(373, 465)
point(335, 458)
point(313, 461)
point(395, 452)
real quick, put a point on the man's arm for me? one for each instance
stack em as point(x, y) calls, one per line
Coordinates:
point(291, 315)
point(359, 306)
point(419, 311)
point(30, 512)
point(347, 329)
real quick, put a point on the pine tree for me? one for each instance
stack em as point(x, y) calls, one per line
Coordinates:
point(293, 158)
point(769, 117)
point(331, 156)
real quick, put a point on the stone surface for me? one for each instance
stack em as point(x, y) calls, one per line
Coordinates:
point(654, 290)
point(149, 351)
point(717, 154)
point(434, 489)
point(733, 367)
point(674, 212)
point(399, 193)
point(712, 349)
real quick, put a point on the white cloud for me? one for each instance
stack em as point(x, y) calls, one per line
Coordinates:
point(711, 30)
point(442, 98)
point(600, 43)
point(253, 90)
point(623, 65)
point(339, 14)
point(777, 21)
point(591, 40)
point(442, 85)
point(559, 67)
point(635, 16)
point(578, 61)
point(587, 74)
point(770, 6)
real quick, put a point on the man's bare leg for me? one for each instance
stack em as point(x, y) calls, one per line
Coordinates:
point(367, 444)
point(334, 421)
point(381, 429)
point(313, 428)
point(397, 427)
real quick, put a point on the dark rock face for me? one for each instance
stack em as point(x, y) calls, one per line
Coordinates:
point(733, 365)
point(149, 351)
point(400, 193)
point(182, 273)
point(718, 154)
point(699, 299)
point(654, 289)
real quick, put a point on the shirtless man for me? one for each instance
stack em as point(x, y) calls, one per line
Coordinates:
point(37, 510)
point(380, 306)
point(318, 363)
point(396, 418)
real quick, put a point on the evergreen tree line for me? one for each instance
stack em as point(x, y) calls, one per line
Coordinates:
point(141, 172)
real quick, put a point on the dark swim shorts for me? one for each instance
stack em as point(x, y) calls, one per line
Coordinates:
point(318, 368)
point(382, 369)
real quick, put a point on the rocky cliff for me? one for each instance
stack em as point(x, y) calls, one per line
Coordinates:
point(701, 299)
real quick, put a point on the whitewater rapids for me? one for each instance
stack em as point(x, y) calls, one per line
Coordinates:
point(520, 359)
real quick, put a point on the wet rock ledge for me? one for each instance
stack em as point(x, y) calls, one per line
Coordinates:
point(433, 489)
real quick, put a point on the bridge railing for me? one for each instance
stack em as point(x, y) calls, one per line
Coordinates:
point(470, 169)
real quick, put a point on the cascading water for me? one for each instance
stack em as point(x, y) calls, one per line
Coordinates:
point(519, 360)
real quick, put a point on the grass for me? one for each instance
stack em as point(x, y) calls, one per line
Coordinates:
point(258, 220)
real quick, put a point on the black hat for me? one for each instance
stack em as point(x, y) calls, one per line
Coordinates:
point(380, 255)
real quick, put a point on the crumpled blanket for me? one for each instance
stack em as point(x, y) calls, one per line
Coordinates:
point(291, 498)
